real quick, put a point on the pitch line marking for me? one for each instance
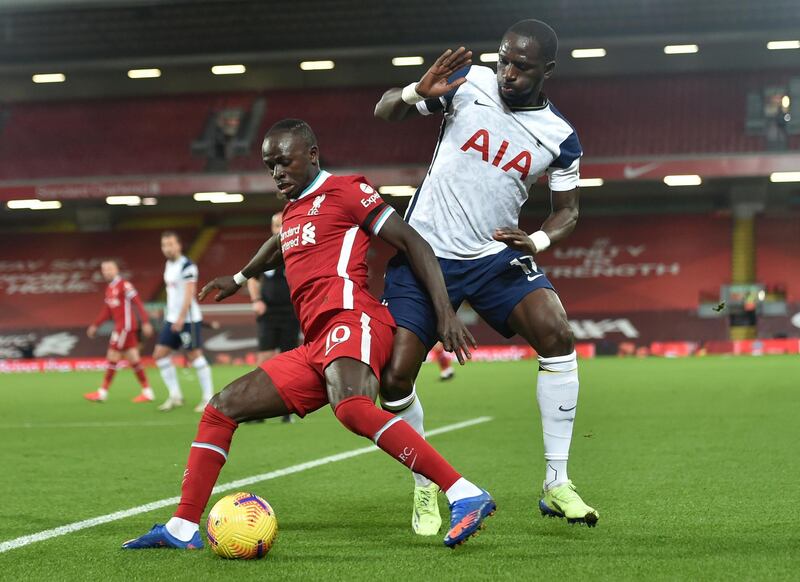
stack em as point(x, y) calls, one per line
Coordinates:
point(125, 513)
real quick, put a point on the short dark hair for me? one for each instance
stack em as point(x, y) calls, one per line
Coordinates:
point(541, 32)
point(170, 234)
point(110, 261)
point(297, 127)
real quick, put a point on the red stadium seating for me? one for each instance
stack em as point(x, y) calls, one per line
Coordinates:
point(53, 279)
point(616, 117)
point(778, 254)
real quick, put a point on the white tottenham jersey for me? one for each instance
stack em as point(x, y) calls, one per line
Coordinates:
point(487, 158)
point(176, 274)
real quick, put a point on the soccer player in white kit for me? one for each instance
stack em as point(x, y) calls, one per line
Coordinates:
point(500, 133)
point(182, 323)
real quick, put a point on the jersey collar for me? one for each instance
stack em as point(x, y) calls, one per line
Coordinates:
point(543, 105)
point(315, 185)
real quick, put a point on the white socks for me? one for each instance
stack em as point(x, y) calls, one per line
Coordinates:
point(170, 376)
point(204, 375)
point(181, 528)
point(410, 410)
point(462, 489)
point(557, 394)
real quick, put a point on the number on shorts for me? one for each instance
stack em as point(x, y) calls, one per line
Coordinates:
point(339, 334)
point(530, 269)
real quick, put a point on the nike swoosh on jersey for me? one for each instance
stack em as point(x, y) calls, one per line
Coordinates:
point(481, 104)
point(535, 277)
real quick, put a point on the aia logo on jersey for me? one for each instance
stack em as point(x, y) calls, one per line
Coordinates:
point(309, 235)
point(315, 206)
point(520, 162)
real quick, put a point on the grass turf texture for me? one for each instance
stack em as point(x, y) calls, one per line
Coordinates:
point(691, 463)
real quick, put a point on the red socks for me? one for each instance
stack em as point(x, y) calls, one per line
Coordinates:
point(392, 434)
point(206, 457)
point(111, 369)
point(441, 358)
point(138, 369)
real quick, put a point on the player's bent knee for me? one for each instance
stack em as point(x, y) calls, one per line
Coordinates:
point(395, 386)
point(563, 339)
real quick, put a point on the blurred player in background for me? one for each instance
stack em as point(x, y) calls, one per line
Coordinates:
point(278, 328)
point(120, 301)
point(182, 323)
point(446, 370)
point(327, 225)
point(500, 133)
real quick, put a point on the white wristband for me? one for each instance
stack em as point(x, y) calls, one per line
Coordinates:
point(239, 279)
point(540, 240)
point(410, 95)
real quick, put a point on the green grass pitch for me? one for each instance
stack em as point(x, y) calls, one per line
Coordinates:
point(692, 464)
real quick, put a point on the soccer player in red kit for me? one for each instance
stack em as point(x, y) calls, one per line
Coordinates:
point(120, 301)
point(323, 243)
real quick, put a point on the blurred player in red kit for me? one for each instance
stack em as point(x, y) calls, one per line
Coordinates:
point(323, 242)
point(120, 301)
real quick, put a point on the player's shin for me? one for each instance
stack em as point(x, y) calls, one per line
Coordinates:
point(207, 455)
point(557, 394)
point(410, 410)
point(204, 376)
point(396, 437)
point(170, 376)
point(108, 377)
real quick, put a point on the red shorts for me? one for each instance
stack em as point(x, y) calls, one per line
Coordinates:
point(122, 340)
point(299, 373)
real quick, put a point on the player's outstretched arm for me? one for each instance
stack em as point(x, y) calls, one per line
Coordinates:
point(557, 227)
point(454, 334)
point(398, 103)
point(268, 257)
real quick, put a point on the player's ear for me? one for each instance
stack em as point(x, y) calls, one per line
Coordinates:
point(313, 154)
point(549, 68)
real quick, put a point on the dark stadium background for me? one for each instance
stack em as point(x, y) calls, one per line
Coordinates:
point(647, 270)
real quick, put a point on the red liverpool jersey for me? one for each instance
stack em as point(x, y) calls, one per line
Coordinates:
point(120, 298)
point(324, 240)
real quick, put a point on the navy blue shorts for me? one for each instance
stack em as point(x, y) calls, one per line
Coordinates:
point(493, 285)
point(188, 339)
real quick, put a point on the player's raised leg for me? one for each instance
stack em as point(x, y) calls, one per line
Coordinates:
point(398, 396)
point(352, 388)
point(112, 360)
point(251, 397)
point(541, 320)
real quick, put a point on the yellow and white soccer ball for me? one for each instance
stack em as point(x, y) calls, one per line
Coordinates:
point(241, 526)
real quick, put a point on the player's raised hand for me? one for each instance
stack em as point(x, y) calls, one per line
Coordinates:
point(91, 331)
point(516, 239)
point(456, 337)
point(225, 285)
point(434, 82)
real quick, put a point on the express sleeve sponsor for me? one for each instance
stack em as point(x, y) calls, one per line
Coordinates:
point(367, 208)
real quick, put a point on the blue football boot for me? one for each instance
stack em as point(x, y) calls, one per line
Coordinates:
point(159, 537)
point(466, 518)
